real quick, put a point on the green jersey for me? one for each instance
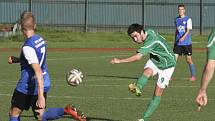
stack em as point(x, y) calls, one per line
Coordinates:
point(211, 46)
point(161, 53)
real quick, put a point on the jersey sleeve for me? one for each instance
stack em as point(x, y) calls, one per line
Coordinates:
point(30, 55)
point(148, 46)
point(189, 23)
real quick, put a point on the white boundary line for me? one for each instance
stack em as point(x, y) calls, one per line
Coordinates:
point(113, 98)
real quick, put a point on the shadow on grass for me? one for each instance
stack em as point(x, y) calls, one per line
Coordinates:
point(112, 76)
point(99, 119)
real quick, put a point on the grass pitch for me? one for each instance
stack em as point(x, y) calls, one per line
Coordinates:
point(104, 93)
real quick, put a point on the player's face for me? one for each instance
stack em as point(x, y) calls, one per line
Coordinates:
point(137, 37)
point(181, 11)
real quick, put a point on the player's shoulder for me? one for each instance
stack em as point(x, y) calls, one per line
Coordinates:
point(212, 34)
point(151, 36)
point(187, 18)
point(176, 18)
point(150, 31)
point(33, 40)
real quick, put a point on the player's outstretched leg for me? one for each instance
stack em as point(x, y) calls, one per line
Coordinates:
point(154, 103)
point(76, 114)
point(56, 113)
point(53, 113)
point(137, 87)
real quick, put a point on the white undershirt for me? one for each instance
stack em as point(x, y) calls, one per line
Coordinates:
point(30, 55)
point(189, 23)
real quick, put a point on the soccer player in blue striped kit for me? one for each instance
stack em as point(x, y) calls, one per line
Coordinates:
point(34, 84)
point(183, 43)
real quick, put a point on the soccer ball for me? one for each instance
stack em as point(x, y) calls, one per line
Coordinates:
point(74, 77)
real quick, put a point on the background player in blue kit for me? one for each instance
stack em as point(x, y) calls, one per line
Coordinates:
point(183, 43)
point(34, 84)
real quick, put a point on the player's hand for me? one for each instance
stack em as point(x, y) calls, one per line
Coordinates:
point(201, 98)
point(182, 39)
point(41, 102)
point(10, 61)
point(115, 60)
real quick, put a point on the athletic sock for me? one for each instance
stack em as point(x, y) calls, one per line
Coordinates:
point(192, 70)
point(151, 107)
point(53, 113)
point(14, 118)
point(141, 81)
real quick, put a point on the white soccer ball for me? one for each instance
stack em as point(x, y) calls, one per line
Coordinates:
point(74, 77)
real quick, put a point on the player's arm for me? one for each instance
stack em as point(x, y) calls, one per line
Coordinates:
point(133, 58)
point(176, 31)
point(210, 65)
point(201, 98)
point(32, 59)
point(184, 36)
point(189, 28)
point(207, 75)
point(13, 59)
point(39, 78)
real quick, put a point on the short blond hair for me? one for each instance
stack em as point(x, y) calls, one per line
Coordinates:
point(27, 21)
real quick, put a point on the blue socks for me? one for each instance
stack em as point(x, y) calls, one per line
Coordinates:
point(192, 70)
point(50, 114)
point(14, 118)
point(53, 113)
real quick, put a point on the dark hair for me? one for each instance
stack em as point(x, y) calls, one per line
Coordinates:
point(135, 27)
point(181, 5)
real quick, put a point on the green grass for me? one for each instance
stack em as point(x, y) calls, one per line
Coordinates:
point(68, 39)
point(104, 92)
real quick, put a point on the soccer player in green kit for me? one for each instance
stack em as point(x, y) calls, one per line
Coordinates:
point(162, 62)
point(208, 72)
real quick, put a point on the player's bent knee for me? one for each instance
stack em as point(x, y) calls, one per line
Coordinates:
point(148, 72)
point(189, 60)
point(38, 114)
point(15, 112)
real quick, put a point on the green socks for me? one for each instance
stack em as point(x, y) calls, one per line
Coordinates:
point(141, 82)
point(151, 107)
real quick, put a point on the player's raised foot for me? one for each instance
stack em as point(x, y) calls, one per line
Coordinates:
point(134, 89)
point(140, 119)
point(193, 78)
point(76, 114)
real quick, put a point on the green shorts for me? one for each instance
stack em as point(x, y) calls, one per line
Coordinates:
point(211, 52)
